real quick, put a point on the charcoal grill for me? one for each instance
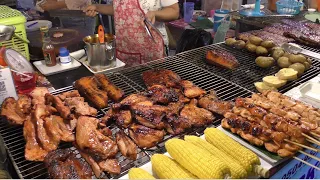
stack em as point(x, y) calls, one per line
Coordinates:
point(190, 66)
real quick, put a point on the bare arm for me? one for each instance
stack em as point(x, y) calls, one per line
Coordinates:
point(100, 8)
point(53, 5)
point(168, 13)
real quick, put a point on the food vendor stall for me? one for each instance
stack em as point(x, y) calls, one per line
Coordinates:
point(244, 108)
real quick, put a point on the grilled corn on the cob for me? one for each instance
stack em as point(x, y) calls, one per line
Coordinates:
point(238, 152)
point(167, 168)
point(196, 160)
point(237, 170)
point(138, 173)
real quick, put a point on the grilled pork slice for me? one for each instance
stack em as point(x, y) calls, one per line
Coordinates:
point(161, 77)
point(38, 95)
point(63, 164)
point(145, 137)
point(56, 102)
point(80, 107)
point(113, 91)
point(161, 94)
point(175, 123)
point(190, 90)
point(111, 166)
point(69, 94)
point(211, 103)
point(14, 111)
point(222, 58)
point(126, 145)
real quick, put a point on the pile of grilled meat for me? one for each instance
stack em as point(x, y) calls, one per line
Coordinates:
point(288, 31)
point(274, 121)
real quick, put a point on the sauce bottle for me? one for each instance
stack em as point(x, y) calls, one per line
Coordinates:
point(47, 47)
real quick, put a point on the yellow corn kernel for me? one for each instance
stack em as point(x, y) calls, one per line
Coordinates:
point(237, 170)
point(167, 168)
point(196, 160)
point(244, 156)
point(138, 173)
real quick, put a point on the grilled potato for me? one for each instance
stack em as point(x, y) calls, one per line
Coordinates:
point(264, 62)
point(230, 41)
point(261, 87)
point(267, 44)
point(298, 67)
point(274, 81)
point(283, 62)
point(288, 74)
point(239, 44)
point(251, 47)
point(261, 51)
point(255, 40)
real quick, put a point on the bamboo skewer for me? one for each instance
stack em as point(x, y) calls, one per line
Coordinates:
point(310, 155)
point(312, 141)
point(315, 135)
point(301, 145)
point(311, 138)
point(305, 162)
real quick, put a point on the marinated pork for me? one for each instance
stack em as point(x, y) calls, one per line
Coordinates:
point(145, 137)
point(161, 77)
point(106, 85)
point(222, 58)
point(126, 146)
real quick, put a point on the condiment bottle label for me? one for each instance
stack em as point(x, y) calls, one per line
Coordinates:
point(7, 88)
point(47, 58)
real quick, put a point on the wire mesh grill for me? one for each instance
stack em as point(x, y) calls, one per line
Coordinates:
point(248, 72)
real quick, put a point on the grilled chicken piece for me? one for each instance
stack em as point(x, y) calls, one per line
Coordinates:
point(285, 153)
point(113, 91)
point(24, 104)
point(33, 150)
point(10, 110)
point(149, 115)
point(130, 101)
point(38, 95)
point(111, 166)
point(126, 145)
point(222, 58)
point(69, 94)
point(197, 117)
point(88, 87)
point(190, 90)
point(122, 117)
point(56, 102)
point(63, 164)
point(145, 137)
point(94, 165)
point(37, 117)
point(181, 97)
point(89, 138)
point(80, 107)
point(211, 103)
point(176, 124)
point(161, 77)
point(65, 132)
point(161, 94)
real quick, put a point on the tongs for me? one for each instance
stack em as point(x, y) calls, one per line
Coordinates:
point(295, 49)
point(147, 23)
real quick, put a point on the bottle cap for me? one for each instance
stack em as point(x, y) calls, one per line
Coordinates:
point(63, 52)
point(311, 10)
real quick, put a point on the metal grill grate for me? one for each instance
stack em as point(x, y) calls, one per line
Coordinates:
point(248, 72)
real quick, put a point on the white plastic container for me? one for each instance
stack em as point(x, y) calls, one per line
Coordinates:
point(65, 59)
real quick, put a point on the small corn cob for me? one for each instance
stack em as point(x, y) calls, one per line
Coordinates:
point(167, 168)
point(138, 173)
point(196, 160)
point(226, 144)
point(237, 171)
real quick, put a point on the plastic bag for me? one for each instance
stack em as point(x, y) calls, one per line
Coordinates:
point(193, 38)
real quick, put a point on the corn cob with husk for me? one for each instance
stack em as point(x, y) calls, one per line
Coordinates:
point(244, 156)
point(167, 168)
point(236, 169)
point(196, 160)
point(138, 173)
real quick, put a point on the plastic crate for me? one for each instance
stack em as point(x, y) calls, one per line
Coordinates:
point(289, 7)
point(9, 16)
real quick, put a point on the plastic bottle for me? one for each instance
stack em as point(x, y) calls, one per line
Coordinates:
point(65, 59)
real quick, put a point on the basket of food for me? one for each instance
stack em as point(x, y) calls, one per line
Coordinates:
point(288, 6)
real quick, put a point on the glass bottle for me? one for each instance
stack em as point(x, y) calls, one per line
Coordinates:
point(47, 47)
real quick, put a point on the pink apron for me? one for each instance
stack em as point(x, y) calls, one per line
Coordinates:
point(134, 46)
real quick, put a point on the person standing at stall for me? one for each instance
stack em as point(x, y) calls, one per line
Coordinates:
point(134, 45)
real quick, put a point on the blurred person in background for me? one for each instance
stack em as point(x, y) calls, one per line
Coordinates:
point(134, 45)
point(87, 23)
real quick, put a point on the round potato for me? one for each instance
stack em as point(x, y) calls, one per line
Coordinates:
point(297, 58)
point(231, 41)
point(262, 51)
point(251, 47)
point(283, 62)
point(286, 54)
point(267, 44)
point(264, 62)
point(255, 40)
point(298, 67)
point(307, 65)
point(239, 44)
point(276, 54)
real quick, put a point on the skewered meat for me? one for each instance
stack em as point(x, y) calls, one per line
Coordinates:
point(111, 166)
point(56, 102)
point(37, 117)
point(130, 101)
point(161, 94)
point(197, 117)
point(106, 85)
point(145, 137)
point(33, 150)
point(149, 115)
point(69, 94)
point(222, 58)
point(80, 107)
point(213, 104)
point(126, 146)
point(175, 123)
point(38, 95)
point(12, 112)
point(92, 140)
point(88, 87)
point(190, 90)
point(161, 77)
point(63, 164)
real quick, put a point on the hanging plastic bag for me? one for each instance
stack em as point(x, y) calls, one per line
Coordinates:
point(193, 38)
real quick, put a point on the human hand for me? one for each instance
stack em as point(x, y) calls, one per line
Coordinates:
point(91, 10)
point(49, 5)
point(151, 16)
